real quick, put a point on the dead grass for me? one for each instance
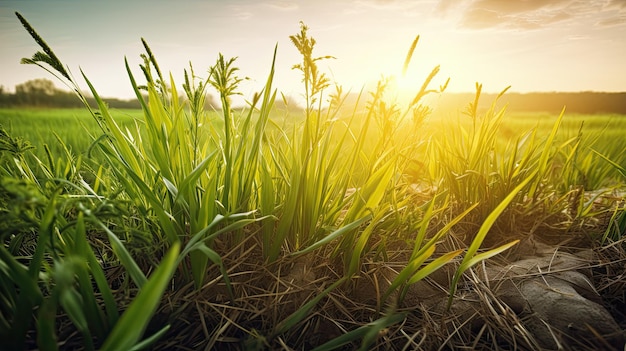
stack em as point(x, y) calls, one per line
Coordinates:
point(479, 319)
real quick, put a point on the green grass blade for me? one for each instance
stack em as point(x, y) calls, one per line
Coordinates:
point(334, 235)
point(165, 220)
point(46, 330)
point(368, 333)
point(133, 322)
point(482, 233)
point(92, 310)
point(443, 231)
point(372, 192)
point(188, 184)
point(354, 255)
point(121, 144)
point(217, 260)
point(409, 270)
point(84, 250)
point(145, 343)
point(123, 255)
point(303, 311)
point(486, 255)
point(433, 266)
point(617, 166)
point(545, 154)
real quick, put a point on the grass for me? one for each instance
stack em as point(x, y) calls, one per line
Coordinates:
point(57, 127)
point(601, 133)
point(273, 234)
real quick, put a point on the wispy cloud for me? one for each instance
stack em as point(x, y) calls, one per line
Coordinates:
point(387, 4)
point(283, 5)
point(241, 12)
point(612, 21)
point(533, 14)
point(620, 4)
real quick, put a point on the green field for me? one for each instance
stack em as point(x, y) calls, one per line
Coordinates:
point(77, 129)
point(373, 226)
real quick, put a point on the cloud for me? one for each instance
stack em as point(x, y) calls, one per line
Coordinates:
point(243, 15)
point(533, 14)
point(444, 5)
point(620, 4)
point(404, 8)
point(611, 21)
point(386, 4)
point(575, 37)
point(283, 5)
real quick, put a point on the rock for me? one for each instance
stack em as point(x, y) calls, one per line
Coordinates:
point(558, 312)
point(556, 300)
point(552, 297)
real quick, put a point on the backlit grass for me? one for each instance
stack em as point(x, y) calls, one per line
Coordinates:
point(265, 231)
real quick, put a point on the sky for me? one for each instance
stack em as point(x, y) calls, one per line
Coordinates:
point(530, 45)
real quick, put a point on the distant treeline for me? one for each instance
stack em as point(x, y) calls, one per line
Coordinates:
point(43, 93)
point(554, 102)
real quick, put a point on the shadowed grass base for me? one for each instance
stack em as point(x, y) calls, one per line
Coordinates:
point(483, 316)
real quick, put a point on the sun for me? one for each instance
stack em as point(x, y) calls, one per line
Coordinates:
point(412, 80)
point(407, 85)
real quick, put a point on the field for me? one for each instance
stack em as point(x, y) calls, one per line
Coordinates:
point(378, 225)
point(76, 129)
point(72, 126)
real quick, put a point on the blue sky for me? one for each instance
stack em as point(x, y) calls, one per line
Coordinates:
point(532, 45)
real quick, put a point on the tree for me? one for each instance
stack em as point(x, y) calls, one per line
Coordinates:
point(4, 96)
point(36, 92)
